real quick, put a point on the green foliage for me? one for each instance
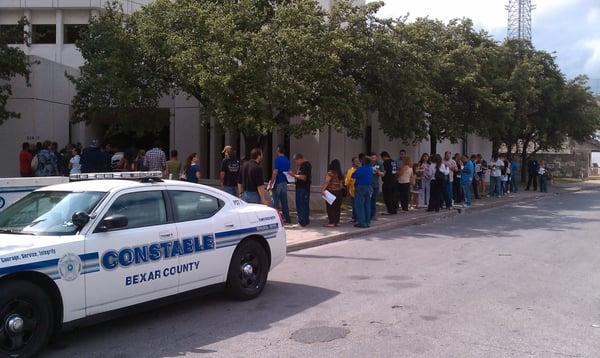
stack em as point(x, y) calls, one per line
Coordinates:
point(259, 65)
point(13, 62)
point(119, 86)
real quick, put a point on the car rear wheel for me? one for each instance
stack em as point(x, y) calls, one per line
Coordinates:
point(248, 271)
point(25, 319)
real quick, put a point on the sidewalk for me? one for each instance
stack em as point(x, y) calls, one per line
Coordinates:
point(315, 234)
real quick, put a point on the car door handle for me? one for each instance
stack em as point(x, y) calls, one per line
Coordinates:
point(165, 235)
point(229, 225)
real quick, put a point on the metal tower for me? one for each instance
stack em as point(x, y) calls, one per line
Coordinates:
point(519, 19)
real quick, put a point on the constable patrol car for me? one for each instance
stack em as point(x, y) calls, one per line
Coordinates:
point(97, 244)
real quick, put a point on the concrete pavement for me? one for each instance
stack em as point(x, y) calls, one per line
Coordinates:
point(516, 281)
point(315, 234)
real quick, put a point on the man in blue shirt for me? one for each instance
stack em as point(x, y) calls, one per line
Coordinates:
point(279, 183)
point(363, 177)
point(514, 175)
point(466, 180)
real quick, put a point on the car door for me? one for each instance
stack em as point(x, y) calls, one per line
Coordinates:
point(199, 215)
point(137, 263)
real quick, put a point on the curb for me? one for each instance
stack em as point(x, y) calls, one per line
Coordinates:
point(422, 219)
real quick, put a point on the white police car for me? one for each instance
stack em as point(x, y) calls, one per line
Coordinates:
point(74, 250)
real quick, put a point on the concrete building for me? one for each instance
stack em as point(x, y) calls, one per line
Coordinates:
point(45, 107)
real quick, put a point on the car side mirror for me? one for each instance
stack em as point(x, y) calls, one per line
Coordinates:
point(80, 219)
point(113, 222)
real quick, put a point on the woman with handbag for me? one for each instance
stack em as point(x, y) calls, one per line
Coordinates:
point(333, 184)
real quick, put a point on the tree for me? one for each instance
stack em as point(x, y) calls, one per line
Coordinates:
point(390, 77)
point(448, 77)
point(254, 66)
point(13, 62)
point(119, 85)
point(546, 110)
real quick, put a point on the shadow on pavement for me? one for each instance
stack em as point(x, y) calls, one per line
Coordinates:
point(559, 213)
point(304, 256)
point(190, 324)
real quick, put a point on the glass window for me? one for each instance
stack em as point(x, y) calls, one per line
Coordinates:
point(47, 212)
point(43, 34)
point(146, 208)
point(190, 205)
point(73, 33)
point(12, 34)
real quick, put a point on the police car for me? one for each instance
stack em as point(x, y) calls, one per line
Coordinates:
point(96, 244)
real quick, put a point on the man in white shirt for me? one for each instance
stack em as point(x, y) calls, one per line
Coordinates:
point(451, 168)
point(496, 166)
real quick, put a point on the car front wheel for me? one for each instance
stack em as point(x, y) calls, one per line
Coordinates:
point(25, 319)
point(248, 271)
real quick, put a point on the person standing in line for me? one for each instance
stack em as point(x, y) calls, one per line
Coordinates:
point(514, 176)
point(25, 158)
point(466, 180)
point(406, 172)
point(438, 176)
point(191, 168)
point(364, 177)
point(75, 162)
point(156, 160)
point(532, 170)
point(416, 190)
point(377, 173)
point(390, 186)
point(279, 183)
point(495, 176)
point(251, 184)
point(139, 161)
point(506, 176)
point(485, 173)
point(303, 181)
point(451, 167)
point(456, 186)
point(117, 160)
point(230, 170)
point(477, 176)
point(333, 184)
point(543, 176)
point(425, 174)
point(173, 165)
point(46, 161)
point(350, 185)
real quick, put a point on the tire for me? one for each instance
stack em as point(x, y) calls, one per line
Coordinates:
point(242, 284)
point(24, 300)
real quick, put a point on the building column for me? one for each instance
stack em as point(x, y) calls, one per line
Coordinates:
point(60, 38)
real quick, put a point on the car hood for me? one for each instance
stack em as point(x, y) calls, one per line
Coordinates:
point(11, 244)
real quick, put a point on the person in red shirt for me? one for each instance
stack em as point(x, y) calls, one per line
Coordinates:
point(25, 158)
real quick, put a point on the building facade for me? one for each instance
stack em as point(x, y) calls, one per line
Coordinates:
point(45, 106)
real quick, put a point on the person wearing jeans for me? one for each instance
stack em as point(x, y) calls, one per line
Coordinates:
point(466, 180)
point(279, 183)
point(303, 178)
point(363, 176)
point(250, 182)
point(495, 176)
point(377, 173)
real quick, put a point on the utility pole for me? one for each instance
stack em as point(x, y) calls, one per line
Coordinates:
point(519, 19)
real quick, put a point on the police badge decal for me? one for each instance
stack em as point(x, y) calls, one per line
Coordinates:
point(69, 267)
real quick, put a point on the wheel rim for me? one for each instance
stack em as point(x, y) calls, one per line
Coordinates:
point(18, 320)
point(250, 271)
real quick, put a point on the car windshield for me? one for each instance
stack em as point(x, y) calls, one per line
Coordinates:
point(47, 212)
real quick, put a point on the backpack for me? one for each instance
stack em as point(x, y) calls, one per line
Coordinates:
point(35, 162)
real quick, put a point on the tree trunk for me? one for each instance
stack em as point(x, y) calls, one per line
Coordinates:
point(432, 143)
point(524, 164)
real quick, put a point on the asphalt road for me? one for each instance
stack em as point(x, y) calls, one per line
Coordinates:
point(518, 281)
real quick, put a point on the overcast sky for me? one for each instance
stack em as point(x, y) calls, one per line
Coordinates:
point(570, 28)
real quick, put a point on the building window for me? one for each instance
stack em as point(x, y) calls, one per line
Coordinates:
point(12, 34)
point(73, 33)
point(43, 34)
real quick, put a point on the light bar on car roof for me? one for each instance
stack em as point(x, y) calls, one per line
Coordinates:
point(116, 175)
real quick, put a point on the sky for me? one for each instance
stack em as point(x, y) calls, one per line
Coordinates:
point(568, 28)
